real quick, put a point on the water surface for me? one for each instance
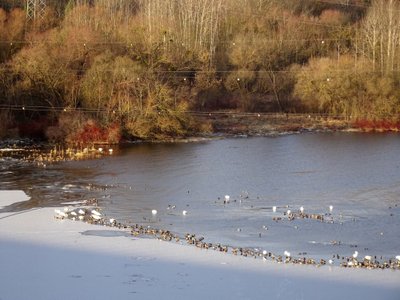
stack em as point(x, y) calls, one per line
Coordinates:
point(358, 174)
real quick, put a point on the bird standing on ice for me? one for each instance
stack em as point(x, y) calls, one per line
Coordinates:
point(355, 254)
point(61, 214)
point(330, 208)
point(154, 212)
point(96, 213)
point(274, 208)
point(184, 212)
point(227, 198)
point(96, 217)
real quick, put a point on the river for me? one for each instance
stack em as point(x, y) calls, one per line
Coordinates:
point(357, 174)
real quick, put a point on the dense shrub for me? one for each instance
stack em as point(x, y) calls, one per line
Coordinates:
point(377, 125)
point(97, 68)
point(80, 129)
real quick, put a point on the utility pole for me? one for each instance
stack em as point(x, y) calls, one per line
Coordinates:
point(35, 9)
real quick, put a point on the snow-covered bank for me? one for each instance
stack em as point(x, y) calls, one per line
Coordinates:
point(45, 258)
point(10, 197)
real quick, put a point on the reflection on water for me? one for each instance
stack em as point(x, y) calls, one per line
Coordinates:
point(358, 174)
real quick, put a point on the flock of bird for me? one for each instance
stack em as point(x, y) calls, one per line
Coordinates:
point(58, 154)
point(93, 215)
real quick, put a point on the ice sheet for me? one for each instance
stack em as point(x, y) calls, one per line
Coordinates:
point(45, 258)
point(10, 197)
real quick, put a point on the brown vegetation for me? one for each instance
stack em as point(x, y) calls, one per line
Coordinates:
point(271, 124)
point(85, 68)
point(377, 125)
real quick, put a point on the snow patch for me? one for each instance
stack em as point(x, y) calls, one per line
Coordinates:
point(10, 197)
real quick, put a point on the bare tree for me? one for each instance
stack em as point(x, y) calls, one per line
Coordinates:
point(381, 32)
point(192, 23)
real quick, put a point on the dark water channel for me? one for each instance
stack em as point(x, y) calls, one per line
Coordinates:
point(358, 174)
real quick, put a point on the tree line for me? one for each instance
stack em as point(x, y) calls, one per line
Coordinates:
point(139, 65)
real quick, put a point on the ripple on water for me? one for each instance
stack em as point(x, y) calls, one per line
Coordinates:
point(355, 173)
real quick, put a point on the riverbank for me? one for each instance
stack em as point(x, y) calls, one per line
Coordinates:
point(271, 124)
point(231, 123)
point(219, 125)
point(46, 258)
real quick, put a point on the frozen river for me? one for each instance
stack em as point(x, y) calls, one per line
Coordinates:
point(357, 174)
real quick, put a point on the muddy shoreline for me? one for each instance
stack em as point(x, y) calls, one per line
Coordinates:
point(220, 125)
point(273, 124)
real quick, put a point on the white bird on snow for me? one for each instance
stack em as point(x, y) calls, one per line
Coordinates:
point(184, 212)
point(60, 213)
point(227, 198)
point(95, 212)
point(355, 254)
point(96, 217)
point(274, 208)
point(154, 211)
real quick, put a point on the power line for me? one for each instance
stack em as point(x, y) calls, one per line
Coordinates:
point(347, 4)
point(130, 44)
point(365, 6)
point(233, 42)
point(41, 108)
point(241, 74)
point(190, 112)
point(192, 73)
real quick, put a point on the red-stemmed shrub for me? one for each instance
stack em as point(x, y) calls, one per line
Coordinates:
point(377, 125)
